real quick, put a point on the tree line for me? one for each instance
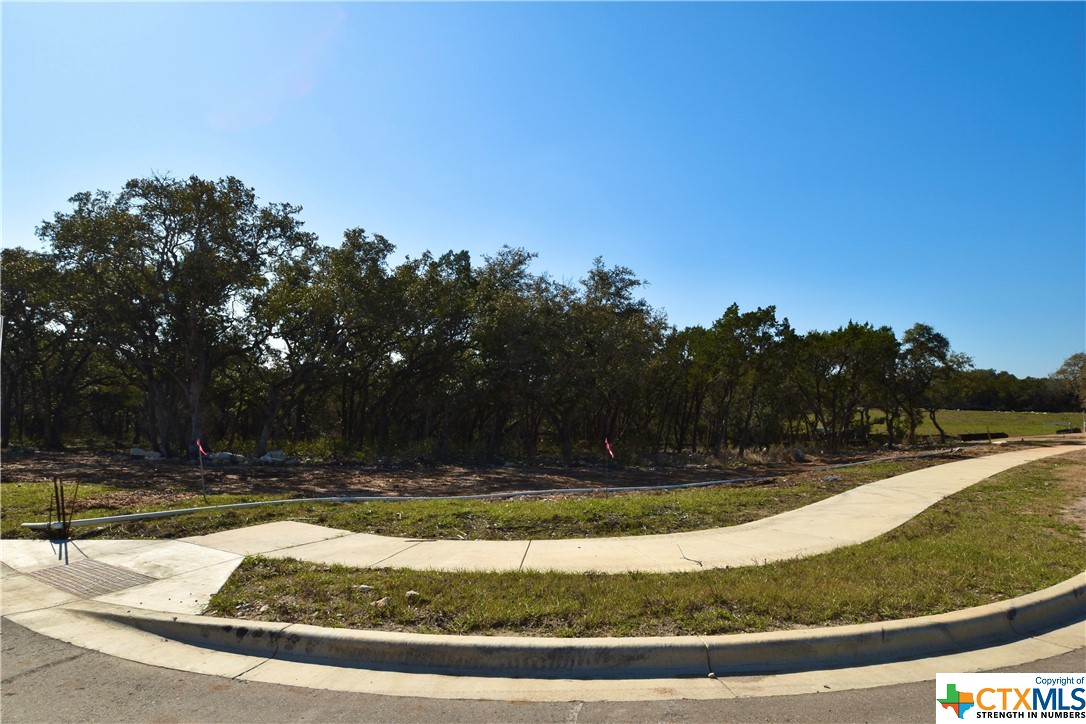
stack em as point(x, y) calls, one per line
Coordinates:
point(184, 309)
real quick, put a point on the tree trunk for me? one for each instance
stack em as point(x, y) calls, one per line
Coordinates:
point(364, 413)
point(195, 393)
point(165, 431)
point(744, 437)
point(199, 379)
point(162, 423)
point(565, 433)
point(271, 411)
point(494, 434)
point(53, 428)
point(6, 412)
point(942, 433)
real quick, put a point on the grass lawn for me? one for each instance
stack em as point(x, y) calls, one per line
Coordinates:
point(30, 502)
point(1015, 424)
point(504, 519)
point(1001, 538)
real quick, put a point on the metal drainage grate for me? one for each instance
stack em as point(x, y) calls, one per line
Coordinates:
point(89, 578)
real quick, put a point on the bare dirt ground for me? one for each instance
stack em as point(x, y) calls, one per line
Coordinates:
point(167, 481)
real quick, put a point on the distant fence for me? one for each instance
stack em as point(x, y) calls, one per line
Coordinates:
point(969, 436)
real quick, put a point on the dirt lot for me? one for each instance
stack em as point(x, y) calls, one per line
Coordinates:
point(170, 480)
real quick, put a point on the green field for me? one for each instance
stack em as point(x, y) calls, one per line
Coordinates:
point(1015, 424)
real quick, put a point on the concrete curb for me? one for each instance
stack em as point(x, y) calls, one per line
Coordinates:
point(623, 658)
point(922, 637)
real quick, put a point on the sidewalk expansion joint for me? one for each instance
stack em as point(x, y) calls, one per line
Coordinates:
point(393, 555)
point(263, 660)
point(525, 556)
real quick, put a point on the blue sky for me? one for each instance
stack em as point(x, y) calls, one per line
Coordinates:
point(883, 162)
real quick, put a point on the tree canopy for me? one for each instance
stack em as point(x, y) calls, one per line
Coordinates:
point(179, 310)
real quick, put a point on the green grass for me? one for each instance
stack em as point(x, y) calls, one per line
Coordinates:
point(998, 539)
point(30, 502)
point(505, 519)
point(1015, 424)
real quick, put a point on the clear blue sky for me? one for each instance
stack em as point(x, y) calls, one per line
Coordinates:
point(891, 163)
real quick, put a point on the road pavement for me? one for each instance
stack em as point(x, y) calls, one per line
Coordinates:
point(45, 680)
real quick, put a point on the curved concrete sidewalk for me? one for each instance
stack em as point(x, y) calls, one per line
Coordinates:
point(134, 599)
point(852, 517)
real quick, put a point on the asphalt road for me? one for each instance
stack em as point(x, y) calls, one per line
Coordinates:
point(45, 680)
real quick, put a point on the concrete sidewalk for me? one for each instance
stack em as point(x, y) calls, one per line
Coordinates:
point(136, 600)
point(847, 519)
